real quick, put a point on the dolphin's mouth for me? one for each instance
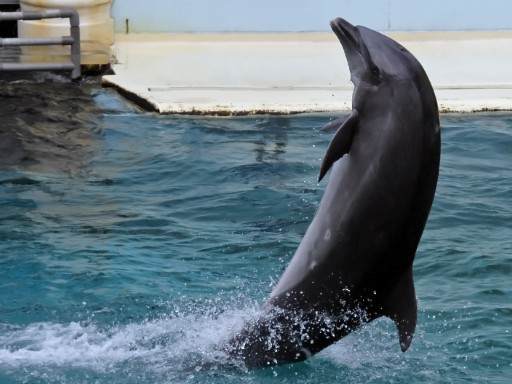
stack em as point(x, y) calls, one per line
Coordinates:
point(346, 33)
point(359, 60)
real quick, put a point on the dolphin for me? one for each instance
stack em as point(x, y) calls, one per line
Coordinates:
point(354, 263)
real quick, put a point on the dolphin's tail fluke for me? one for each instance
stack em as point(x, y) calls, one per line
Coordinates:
point(400, 306)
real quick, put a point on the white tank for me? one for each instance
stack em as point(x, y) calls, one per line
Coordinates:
point(96, 31)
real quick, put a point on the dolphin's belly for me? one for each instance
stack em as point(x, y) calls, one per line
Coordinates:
point(358, 223)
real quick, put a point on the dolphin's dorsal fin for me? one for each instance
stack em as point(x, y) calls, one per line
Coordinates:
point(341, 142)
point(400, 306)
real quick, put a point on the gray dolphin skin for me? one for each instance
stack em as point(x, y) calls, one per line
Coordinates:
point(354, 263)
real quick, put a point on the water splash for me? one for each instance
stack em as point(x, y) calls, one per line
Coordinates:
point(180, 341)
point(180, 346)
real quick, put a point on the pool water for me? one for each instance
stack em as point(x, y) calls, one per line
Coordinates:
point(133, 265)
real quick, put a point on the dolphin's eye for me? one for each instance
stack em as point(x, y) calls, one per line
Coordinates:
point(375, 71)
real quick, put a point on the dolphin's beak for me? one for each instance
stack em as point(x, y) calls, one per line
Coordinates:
point(347, 34)
point(358, 57)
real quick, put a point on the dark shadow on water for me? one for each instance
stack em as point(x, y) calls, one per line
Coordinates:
point(274, 139)
point(48, 123)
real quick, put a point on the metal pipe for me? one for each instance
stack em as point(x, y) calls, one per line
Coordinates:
point(64, 40)
point(36, 66)
point(75, 47)
point(48, 14)
point(74, 40)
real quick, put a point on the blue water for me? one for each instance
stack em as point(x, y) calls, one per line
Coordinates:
point(134, 265)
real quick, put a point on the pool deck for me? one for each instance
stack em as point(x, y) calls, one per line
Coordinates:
point(225, 74)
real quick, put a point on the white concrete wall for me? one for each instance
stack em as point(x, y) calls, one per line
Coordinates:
point(299, 72)
point(309, 15)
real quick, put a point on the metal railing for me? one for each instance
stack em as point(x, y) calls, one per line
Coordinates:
point(73, 41)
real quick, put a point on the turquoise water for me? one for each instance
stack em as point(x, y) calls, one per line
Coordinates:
point(133, 265)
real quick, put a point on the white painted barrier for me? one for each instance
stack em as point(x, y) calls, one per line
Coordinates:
point(299, 72)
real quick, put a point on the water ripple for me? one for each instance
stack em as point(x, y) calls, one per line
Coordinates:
point(174, 229)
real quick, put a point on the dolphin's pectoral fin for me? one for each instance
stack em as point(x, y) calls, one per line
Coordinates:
point(340, 144)
point(400, 306)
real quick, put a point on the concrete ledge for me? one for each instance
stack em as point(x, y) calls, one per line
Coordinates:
point(298, 72)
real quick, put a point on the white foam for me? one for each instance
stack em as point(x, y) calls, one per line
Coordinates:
point(174, 348)
point(173, 340)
